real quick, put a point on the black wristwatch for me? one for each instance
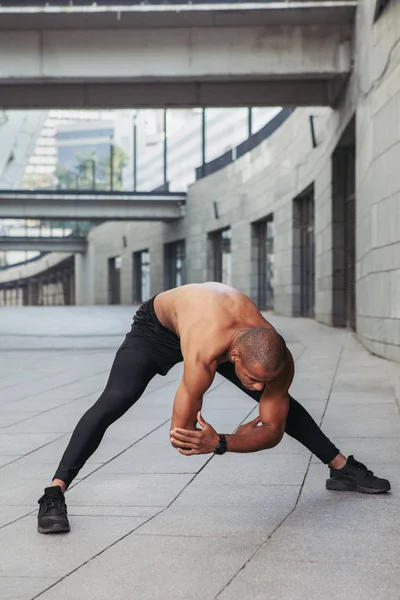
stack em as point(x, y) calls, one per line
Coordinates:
point(222, 445)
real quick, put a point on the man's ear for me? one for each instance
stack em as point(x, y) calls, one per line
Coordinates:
point(234, 356)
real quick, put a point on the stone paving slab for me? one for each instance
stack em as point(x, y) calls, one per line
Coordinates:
point(22, 553)
point(23, 588)
point(308, 581)
point(150, 523)
point(156, 567)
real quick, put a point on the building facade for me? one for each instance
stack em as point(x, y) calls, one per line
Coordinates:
point(307, 223)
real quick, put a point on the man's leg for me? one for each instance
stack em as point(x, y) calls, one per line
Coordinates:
point(132, 370)
point(345, 474)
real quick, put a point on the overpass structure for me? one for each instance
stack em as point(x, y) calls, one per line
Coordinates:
point(91, 206)
point(118, 54)
point(74, 244)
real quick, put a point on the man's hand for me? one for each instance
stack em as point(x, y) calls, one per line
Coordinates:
point(200, 441)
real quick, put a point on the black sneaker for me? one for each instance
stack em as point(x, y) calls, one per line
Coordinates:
point(355, 477)
point(52, 517)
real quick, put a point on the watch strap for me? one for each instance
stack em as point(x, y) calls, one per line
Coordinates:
point(222, 445)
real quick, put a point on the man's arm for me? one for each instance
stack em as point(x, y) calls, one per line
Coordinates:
point(274, 407)
point(266, 431)
point(197, 378)
point(260, 434)
point(250, 437)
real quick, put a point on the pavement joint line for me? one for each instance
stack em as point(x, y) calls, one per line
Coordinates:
point(125, 535)
point(333, 378)
point(141, 525)
point(40, 376)
point(298, 495)
point(53, 389)
point(31, 512)
point(35, 450)
point(93, 557)
point(43, 412)
point(120, 453)
point(34, 367)
point(68, 401)
point(39, 413)
point(169, 505)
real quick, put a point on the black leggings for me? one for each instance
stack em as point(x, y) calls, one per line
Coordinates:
point(149, 349)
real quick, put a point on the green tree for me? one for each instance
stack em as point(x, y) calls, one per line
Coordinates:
point(65, 178)
point(91, 173)
point(119, 161)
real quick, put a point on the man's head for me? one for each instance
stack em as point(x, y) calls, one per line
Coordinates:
point(259, 356)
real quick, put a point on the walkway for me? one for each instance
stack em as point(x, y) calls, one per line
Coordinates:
point(148, 523)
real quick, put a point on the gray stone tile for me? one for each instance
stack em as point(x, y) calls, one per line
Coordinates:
point(261, 468)
point(154, 457)
point(238, 400)
point(254, 524)
point(9, 418)
point(340, 398)
point(384, 450)
point(29, 467)
point(221, 416)
point(384, 427)
point(107, 489)
point(355, 412)
point(309, 543)
point(8, 514)
point(48, 422)
point(209, 532)
point(112, 511)
point(154, 567)
point(23, 588)
point(200, 494)
point(19, 443)
point(25, 552)
point(109, 447)
point(301, 581)
point(8, 458)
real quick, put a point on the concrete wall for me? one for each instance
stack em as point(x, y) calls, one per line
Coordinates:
point(378, 182)
point(269, 178)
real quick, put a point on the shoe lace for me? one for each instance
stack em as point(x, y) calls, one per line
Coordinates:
point(362, 468)
point(53, 502)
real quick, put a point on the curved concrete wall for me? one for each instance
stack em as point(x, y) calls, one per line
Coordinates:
point(267, 180)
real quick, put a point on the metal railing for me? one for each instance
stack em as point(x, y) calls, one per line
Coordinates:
point(254, 140)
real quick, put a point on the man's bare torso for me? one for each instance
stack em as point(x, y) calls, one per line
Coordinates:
point(207, 316)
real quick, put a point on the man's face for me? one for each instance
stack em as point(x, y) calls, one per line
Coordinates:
point(253, 377)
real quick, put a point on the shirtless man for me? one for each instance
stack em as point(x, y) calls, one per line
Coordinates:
point(213, 328)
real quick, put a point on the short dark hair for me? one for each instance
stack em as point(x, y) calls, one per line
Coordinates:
point(263, 345)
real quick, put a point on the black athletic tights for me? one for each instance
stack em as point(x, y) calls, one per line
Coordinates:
point(149, 349)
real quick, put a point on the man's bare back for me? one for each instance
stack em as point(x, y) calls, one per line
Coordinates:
point(207, 316)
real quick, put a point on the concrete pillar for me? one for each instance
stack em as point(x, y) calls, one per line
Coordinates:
point(25, 295)
point(33, 292)
point(84, 278)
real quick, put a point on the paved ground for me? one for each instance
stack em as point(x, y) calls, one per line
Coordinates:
point(148, 523)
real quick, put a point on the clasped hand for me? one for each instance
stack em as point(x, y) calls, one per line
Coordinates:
point(198, 441)
point(206, 439)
